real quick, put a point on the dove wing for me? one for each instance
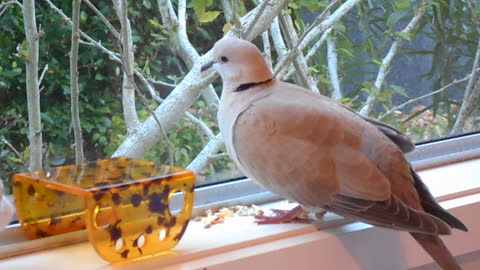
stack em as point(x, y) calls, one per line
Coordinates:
point(319, 154)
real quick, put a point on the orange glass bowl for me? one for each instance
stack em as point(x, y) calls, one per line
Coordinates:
point(122, 202)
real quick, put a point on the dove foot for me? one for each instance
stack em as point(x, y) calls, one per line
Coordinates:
point(296, 214)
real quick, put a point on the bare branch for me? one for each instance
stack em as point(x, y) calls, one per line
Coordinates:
point(184, 94)
point(280, 48)
point(474, 17)
point(446, 87)
point(469, 99)
point(128, 89)
point(110, 27)
point(277, 39)
point(333, 67)
point(314, 30)
point(169, 17)
point(313, 50)
point(45, 69)
point(320, 25)
point(5, 5)
point(160, 126)
point(258, 13)
point(202, 159)
point(299, 60)
point(267, 49)
point(13, 148)
point(187, 52)
point(318, 44)
point(150, 80)
point(227, 10)
point(237, 25)
point(218, 156)
point(33, 94)
point(91, 42)
point(74, 92)
point(203, 127)
point(387, 60)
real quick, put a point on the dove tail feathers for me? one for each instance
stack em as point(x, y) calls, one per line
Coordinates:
point(431, 206)
point(434, 246)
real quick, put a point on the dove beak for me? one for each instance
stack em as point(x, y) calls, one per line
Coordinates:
point(207, 66)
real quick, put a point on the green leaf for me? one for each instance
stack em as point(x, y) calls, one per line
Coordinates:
point(377, 62)
point(147, 4)
point(345, 52)
point(226, 27)
point(200, 8)
point(396, 16)
point(208, 16)
point(155, 23)
point(99, 77)
point(399, 90)
point(401, 4)
point(404, 35)
point(11, 73)
point(293, 5)
point(15, 159)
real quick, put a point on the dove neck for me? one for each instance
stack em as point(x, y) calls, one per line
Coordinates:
point(246, 86)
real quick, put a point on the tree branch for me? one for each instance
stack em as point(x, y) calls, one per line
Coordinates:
point(202, 159)
point(333, 67)
point(446, 87)
point(5, 5)
point(387, 61)
point(33, 94)
point(184, 94)
point(315, 29)
point(110, 27)
point(91, 42)
point(128, 89)
point(12, 148)
point(299, 60)
point(218, 156)
point(313, 50)
point(45, 69)
point(187, 52)
point(258, 13)
point(277, 39)
point(203, 127)
point(469, 99)
point(267, 54)
point(74, 92)
point(320, 25)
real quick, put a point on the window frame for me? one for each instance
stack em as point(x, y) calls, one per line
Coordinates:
point(426, 155)
point(244, 191)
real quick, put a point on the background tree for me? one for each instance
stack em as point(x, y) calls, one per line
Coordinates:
point(413, 64)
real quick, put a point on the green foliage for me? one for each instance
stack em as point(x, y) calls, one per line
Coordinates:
point(200, 8)
point(363, 38)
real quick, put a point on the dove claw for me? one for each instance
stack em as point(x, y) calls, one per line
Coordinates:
point(296, 214)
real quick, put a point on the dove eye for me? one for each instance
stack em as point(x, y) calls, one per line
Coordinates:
point(224, 59)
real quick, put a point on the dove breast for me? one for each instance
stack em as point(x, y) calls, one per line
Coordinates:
point(307, 148)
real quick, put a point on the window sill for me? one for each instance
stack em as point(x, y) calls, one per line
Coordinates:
point(239, 243)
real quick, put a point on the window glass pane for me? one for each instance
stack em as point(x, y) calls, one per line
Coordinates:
point(407, 63)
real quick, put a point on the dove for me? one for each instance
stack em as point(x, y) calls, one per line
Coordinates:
point(312, 150)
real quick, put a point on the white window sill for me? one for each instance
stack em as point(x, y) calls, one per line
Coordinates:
point(241, 244)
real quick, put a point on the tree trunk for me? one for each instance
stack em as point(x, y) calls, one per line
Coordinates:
point(77, 130)
point(33, 94)
point(185, 94)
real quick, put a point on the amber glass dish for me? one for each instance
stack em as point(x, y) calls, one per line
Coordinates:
point(123, 203)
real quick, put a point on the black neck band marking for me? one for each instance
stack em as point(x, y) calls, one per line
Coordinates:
point(246, 86)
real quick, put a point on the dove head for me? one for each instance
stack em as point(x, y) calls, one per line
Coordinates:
point(238, 62)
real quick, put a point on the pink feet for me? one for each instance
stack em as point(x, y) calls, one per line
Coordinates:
point(296, 214)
